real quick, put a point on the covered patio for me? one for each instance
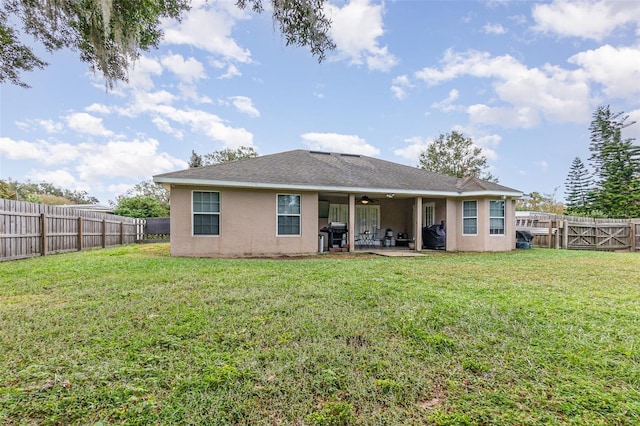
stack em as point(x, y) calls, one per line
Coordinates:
point(378, 221)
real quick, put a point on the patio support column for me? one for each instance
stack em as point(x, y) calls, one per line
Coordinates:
point(418, 224)
point(351, 226)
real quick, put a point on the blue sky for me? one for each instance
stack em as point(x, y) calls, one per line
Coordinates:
point(520, 78)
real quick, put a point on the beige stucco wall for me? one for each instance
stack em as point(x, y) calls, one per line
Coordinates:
point(247, 225)
point(482, 241)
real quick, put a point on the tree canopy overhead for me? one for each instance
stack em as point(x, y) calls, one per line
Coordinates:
point(110, 34)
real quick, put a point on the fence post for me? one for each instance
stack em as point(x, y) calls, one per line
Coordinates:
point(565, 235)
point(43, 233)
point(121, 233)
point(550, 234)
point(104, 233)
point(79, 233)
point(632, 235)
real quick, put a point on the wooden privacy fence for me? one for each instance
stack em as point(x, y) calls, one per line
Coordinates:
point(28, 229)
point(579, 233)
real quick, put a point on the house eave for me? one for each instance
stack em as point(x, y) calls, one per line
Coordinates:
point(165, 181)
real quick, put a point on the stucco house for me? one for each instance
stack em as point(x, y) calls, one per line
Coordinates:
point(287, 203)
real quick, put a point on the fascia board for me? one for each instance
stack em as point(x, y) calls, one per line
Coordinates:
point(323, 188)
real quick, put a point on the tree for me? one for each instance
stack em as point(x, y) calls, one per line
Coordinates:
point(141, 207)
point(149, 188)
point(228, 155)
point(110, 34)
point(541, 203)
point(14, 56)
point(578, 188)
point(136, 199)
point(454, 154)
point(301, 22)
point(616, 164)
point(195, 160)
point(46, 193)
point(7, 191)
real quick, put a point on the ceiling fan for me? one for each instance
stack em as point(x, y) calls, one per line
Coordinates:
point(366, 200)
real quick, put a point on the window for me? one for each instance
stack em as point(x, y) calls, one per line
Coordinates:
point(206, 213)
point(288, 214)
point(339, 213)
point(496, 217)
point(469, 217)
point(429, 217)
point(367, 218)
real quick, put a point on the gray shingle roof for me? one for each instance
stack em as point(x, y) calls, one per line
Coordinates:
point(313, 169)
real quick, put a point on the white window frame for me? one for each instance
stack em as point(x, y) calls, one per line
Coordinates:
point(339, 213)
point(298, 215)
point(367, 218)
point(503, 217)
point(469, 217)
point(429, 214)
point(208, 213)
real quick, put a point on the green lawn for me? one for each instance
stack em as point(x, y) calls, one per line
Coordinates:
point(129, 335)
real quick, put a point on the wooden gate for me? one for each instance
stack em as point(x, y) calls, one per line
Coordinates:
point(599, 236)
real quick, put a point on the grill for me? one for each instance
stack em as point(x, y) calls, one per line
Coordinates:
point(337, 233)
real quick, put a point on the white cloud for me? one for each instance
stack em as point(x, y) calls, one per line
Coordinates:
point(208, 27)
point(617, 69)
point(523, 117)
point(471, 62)
point(50, 126)
point(165, 116)
point(141, 72)
point(232, 71)
point(355, 28)
point(41, 151)
point(399, 86)
point(190, 92)
point(209, 124)
point(518, 19)
point(527, 94)
point(91, 161)
point(134, 159)
point(349, 144)
point(494, 29)
point(447, 105)
point(413, 148)
point(164, 126)
point(244, 105)
point(488, 143)
point(188, 70)
point(585, 19)
point(98, 108)
point(61, 178)
point(85, 123)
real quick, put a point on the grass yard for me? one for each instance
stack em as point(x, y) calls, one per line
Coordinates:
point(129, 335)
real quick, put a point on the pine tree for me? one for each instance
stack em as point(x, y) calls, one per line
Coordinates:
point(616, 164)
point(578, 188)
point(195, 160)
